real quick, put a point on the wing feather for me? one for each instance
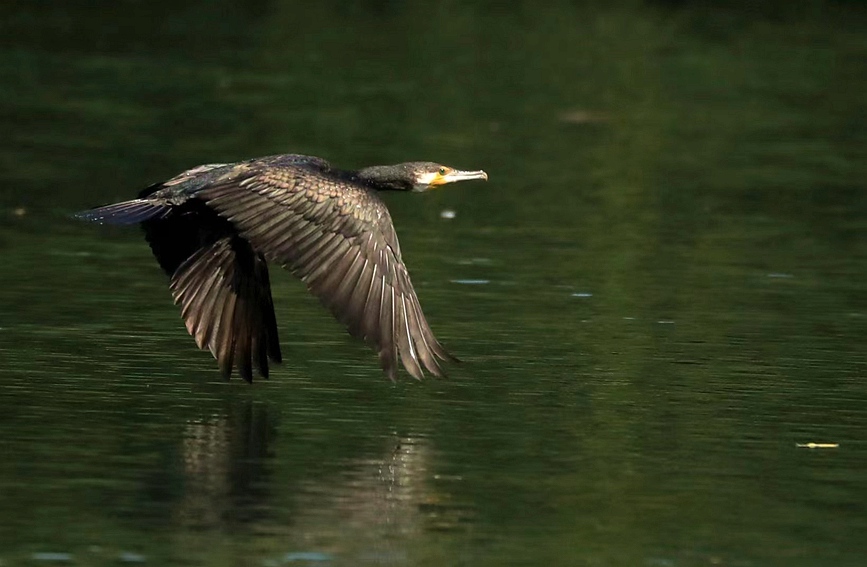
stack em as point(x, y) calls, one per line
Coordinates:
point(404, 341)
point(388, 347)
point(337, 236)
point(225, 297)
point(224, 339)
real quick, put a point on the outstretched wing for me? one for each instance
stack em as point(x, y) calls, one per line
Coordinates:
point(225, 297)
point(221, 285)
point(339, 239)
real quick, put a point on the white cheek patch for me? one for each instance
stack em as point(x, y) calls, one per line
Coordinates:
point(427, 178)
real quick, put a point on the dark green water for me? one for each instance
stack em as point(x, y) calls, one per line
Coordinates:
point(658, 295)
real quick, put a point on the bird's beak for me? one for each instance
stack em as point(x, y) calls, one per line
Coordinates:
point(457, 175)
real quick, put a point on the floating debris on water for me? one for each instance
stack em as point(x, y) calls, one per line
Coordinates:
point(665, 322)
point(780, 275)
point(471, 282)
point(447, 214)
point(19, 212)
point(130, 557)
point(582, 294)
point(817, 445)
point(629, 318)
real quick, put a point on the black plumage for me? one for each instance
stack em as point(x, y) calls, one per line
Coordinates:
point(214, 228)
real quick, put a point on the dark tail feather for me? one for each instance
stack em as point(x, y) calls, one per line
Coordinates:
point(128, 212)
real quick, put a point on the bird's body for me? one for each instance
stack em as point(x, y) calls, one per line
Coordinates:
point(215, 228)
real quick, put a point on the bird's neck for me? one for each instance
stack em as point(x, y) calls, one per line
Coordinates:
point(383, 178)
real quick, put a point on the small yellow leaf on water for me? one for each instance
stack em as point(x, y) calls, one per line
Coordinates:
point(817, 445)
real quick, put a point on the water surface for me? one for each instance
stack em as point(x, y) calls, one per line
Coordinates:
point(658, 295)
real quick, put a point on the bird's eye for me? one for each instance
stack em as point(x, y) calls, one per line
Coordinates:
point(442, 171)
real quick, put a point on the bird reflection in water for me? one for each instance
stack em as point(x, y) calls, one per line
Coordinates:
point(372, 508)
point(379, 508)
point(227, 469)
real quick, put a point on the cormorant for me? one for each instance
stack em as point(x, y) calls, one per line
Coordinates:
point(214, 228)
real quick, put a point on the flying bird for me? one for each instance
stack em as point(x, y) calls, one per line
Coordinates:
point(214, 229)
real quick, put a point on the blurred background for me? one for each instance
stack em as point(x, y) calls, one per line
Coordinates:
point(657, 296)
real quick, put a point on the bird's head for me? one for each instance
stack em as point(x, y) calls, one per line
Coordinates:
point(416, 175)
point(428, 175)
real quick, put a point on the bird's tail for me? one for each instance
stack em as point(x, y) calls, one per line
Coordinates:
point(128, 212)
